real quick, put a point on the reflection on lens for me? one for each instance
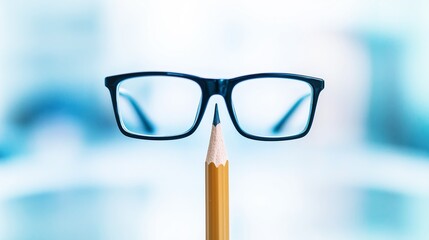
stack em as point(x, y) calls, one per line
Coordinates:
point(272, 107)
point(158, 106)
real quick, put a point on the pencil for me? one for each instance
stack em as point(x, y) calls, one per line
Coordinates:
point(217, 190)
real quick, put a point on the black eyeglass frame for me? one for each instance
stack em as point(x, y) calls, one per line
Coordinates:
point(210, 87)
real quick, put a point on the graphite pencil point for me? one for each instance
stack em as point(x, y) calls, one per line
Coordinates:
point(216, 119)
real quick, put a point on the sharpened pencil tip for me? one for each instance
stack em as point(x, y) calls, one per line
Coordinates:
point(216, 119)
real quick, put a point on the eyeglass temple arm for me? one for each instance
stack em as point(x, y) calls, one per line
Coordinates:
point(147, 124)
point(282, 122)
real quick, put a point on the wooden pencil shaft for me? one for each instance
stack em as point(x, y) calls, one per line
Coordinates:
point(217, 202)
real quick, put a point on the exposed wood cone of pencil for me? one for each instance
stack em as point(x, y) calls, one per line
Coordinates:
point(217, 189)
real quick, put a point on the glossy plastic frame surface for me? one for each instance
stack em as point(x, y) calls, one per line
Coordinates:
point(210, 87)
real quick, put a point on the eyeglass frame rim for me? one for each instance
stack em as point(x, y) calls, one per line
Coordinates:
point(209, 87)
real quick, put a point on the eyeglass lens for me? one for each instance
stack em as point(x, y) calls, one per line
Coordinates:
point(272, 107)
point(158, 106)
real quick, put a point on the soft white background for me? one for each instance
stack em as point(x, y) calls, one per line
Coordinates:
point(58, 184)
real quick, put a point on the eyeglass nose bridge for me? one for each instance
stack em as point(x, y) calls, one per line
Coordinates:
point(218, 86)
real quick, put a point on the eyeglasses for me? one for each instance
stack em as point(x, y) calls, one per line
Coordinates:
point(168, 105)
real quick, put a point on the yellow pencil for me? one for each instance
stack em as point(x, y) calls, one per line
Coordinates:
point(217, 193)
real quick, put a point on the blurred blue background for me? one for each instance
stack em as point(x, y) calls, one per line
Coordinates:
point(67, 173)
